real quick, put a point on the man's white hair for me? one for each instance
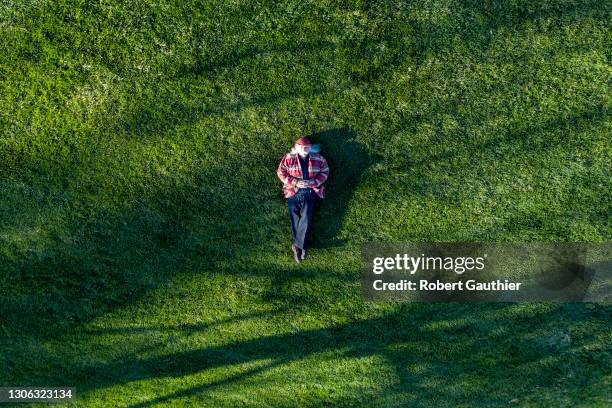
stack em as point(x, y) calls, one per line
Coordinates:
point(294, 150)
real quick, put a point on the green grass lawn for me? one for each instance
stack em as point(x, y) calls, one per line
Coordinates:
point(145, 244)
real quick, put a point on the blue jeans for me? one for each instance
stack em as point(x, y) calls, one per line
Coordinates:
point(301, 209)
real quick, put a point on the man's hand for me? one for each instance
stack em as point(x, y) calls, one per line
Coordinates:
point(306, 183)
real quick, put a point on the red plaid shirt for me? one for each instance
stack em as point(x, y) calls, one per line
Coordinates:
point(290, 172)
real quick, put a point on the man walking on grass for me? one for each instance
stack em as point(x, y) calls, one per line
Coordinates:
point(303, 173)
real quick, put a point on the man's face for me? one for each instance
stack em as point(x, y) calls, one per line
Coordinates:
point(302, 150)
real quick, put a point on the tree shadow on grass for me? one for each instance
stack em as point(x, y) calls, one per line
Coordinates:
point(418, 345)
point(528, 137)
point(106, 256)
point(187, 328)
point(538, 140)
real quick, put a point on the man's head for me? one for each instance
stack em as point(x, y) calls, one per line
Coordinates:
point(303, 146)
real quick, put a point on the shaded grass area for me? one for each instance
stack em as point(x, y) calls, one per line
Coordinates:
point(144, 239)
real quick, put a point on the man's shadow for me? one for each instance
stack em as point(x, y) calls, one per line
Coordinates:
point(347, 160)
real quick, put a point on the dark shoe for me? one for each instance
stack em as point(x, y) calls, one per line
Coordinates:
point(303, 253)
point(296, 253)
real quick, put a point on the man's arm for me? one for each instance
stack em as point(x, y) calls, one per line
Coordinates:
point(323, 173)
point(283, 174)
